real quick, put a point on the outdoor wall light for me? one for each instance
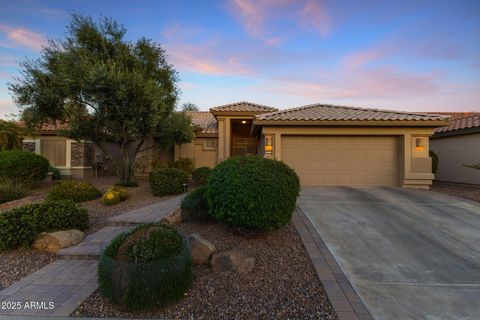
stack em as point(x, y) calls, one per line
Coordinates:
point(243, 121)
point(419, 144)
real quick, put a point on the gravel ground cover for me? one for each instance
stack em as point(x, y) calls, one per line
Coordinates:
point(457, 189)
point(283, 284)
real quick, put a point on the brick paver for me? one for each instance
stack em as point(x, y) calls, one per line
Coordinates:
point(342, 296)
point(65, 283)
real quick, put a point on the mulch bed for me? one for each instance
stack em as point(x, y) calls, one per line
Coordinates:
point(283, 284)
point(467, 191)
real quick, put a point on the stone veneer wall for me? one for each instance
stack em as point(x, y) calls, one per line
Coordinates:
point(82, 154)
point(29, 146)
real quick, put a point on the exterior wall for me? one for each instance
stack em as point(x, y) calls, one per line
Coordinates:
point(154, 157)
point(453, 152)
point(414, 165)
point(197, 151)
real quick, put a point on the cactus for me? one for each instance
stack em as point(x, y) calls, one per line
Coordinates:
point(111, 198)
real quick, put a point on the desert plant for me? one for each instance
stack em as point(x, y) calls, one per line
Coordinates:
point(56, 175)
point(122, 191)
point(194, 206)
point(165, 181)
point(23, 166)
point(12, 189)
point(252, 192)
point(111, 198)
point(147, 267)
point(434, 157)
point(75, 190)
point(185, 164)
point(200, 175)
point(21, 226)
point(11, 135)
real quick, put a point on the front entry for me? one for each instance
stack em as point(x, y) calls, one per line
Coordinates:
point(242, 143)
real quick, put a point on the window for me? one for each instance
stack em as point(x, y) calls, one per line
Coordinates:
point(209, 144)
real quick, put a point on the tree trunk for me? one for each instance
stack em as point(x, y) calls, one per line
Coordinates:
point(126, 173)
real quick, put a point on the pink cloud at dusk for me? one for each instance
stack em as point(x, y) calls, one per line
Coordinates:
point(314, 14)
point(22, 37)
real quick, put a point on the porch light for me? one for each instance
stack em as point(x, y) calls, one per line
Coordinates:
point(243, 121)
point(419, 144)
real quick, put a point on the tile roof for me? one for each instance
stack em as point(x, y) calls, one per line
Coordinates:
point(469, 122)
point(243, 106)
point(327, 112)
point(455, 115)
point(204, 120)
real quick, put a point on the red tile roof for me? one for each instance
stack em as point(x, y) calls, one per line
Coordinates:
point(469, 122)
point(243, 106)
point(204, 120)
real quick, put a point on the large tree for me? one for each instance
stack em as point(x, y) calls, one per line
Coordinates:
point(106, 89)
point(11, 135)
point(189, 106)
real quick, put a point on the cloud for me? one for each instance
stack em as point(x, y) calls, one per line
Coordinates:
point(7, 107)
point(22, 37)
point(314, 15)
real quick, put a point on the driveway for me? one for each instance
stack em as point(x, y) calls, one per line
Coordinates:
point(410, 254)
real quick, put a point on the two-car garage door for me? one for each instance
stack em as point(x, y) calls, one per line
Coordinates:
point(342, 160)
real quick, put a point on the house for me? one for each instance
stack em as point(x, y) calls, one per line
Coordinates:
point(456, 145)
point(325, 144)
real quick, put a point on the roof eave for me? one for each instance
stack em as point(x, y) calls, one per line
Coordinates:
point(237, 113)
point(373, 123)
point(457, 132)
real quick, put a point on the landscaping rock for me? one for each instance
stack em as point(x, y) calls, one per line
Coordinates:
point(233, 260)
point(200, 248)
point(52, 242)
point(173, 218)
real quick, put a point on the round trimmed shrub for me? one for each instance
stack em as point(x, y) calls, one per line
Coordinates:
point(147, 267)
point(23, 166)
point(253, 193)
point(56, 175)
point(111, 198)
point(194, 206)
point(75, 190)
point(165, 181)
point(200, 175)
point(122, 191)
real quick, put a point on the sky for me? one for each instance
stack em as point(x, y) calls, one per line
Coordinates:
point(402, 55)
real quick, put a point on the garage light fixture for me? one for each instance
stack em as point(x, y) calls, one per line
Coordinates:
point(419, 146)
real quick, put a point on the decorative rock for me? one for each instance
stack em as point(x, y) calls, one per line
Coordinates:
point(52, 242)
point(233, 260)
point(200, 248)
point(173, 218)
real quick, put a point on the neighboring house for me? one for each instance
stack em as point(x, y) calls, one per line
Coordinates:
point(455, 145)
point(325, 144)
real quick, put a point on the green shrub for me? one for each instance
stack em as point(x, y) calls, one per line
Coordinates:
point(194, 206)
point(252, 192)
point(12, 189)
point(146, 267)
point(122, 191)
point(200, 175)
point(165, 181)
point(23, 166)
point(111, 198)
point(185, 164)
point(20, 226)
point(56, 175)
point(434, 157)
point(75, 190)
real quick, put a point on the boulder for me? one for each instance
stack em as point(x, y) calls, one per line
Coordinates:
point(173, 218)
point(52, 242)
point(233, 260)
point(201, 249)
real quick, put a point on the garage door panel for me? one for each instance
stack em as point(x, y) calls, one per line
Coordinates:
point(342, 160)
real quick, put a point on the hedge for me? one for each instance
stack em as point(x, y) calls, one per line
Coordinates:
point(20, 226)
point(194, 206)
point(75, 190)
point(200, 175)
point(26, 167)
point(165, 181)
point(253, 193)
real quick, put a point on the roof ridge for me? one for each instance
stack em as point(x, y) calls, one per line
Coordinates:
point(469, 116)
point(242, 102)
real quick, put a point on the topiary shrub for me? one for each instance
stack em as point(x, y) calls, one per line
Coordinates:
point(147, 267)
point(111, 198)
point(23, 166)
point(56, 175)
point(22, 225)
point(12, 189)
point(165, 181)
point(252, 192)
point(122, 191)
point(185, 164)
point(194, 206)
point(434, 157)
point(200, 175)
point(75, 190)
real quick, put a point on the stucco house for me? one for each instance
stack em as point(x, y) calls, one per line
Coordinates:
point(325, 144)
point(455, 145)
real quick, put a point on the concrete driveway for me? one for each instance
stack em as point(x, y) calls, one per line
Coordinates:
point(410, 254)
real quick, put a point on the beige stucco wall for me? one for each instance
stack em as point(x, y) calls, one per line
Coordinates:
point(196, 150)
point(453, 152)
point(414, 165)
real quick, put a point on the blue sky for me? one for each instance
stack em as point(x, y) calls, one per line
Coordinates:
point(404, 55)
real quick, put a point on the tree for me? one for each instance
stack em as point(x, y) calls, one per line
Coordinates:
point(11, 135)
point(106, 89)
point(188, 106)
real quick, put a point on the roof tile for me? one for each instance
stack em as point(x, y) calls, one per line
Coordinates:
point(243, 106)
point(204, 120)
point(472, 121)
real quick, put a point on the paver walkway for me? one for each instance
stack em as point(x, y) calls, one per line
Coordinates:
point(69, 281)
